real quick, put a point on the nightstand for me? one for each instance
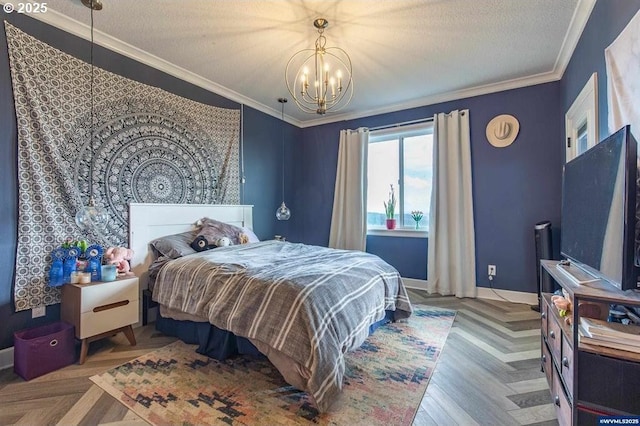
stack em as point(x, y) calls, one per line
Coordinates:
point(101, 309)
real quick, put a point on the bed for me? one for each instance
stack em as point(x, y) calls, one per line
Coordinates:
point(302, 306)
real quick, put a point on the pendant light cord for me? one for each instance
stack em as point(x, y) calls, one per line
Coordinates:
point(282, 143)
point(91, 129)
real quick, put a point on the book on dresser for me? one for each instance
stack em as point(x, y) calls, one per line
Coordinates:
point(609, 334)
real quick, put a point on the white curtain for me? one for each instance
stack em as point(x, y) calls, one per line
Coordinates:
point(349, 217)
point(451, 266)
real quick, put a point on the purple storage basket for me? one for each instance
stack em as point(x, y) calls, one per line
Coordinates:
point(43, 349)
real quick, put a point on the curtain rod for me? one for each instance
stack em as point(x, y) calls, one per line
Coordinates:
point(404, 123)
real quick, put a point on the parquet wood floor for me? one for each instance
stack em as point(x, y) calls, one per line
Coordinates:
point(488, 374)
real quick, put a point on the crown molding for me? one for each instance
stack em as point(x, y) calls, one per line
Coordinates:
point(572, 36)
point(82, 30)
point(443, 97)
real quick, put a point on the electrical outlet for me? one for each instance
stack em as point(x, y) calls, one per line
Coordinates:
point(38, 312)
point(492, 270)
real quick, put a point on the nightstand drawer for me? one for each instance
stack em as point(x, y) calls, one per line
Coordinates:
point(94, 323)
point(100, 294)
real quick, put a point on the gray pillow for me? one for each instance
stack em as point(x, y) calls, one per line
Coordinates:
point(174, 246)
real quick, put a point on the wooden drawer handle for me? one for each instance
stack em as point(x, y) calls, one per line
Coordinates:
point(565, 361)
point(111, 306)
point(552, 334)
point(556, 400)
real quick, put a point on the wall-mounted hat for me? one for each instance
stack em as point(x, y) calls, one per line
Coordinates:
point(502, 130)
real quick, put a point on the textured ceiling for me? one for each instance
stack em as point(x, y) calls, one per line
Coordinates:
point(405, 53)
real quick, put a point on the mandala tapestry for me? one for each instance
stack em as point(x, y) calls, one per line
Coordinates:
point(149, 146)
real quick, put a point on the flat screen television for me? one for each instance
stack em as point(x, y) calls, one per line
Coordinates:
point(599, 205)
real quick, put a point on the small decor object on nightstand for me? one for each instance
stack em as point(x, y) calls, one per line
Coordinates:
point(417, 216)
point(120, 257)
point(94, 262)
point(56, 273)
point(109, 272)
point(70, 262)
point(390, 208)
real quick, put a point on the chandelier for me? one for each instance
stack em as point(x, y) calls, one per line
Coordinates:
point(90, 216)
point(320, 79)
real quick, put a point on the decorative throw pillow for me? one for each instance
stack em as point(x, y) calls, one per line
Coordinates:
point(173, 246)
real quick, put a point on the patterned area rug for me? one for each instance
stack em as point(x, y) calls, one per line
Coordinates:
point(385, 381)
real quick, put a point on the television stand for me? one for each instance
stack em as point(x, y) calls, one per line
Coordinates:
point(575, 273)
point(587, 379)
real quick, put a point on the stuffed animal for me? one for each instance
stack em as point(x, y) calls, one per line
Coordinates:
point(120, 256)
point(213, 230)
point(563, 304)
point(244, 238)
point(223, 242)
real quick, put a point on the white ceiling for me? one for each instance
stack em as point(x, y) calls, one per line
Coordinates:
point(405, 53)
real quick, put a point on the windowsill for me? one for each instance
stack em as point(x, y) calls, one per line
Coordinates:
point(406, 232)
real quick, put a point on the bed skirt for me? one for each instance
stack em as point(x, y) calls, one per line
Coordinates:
point(222, 344)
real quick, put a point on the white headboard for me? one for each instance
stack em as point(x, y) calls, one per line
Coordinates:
point(150, 221)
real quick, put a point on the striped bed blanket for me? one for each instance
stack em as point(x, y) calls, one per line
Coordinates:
point(310, 303)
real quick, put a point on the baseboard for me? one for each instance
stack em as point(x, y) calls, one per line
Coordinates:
point(6, 358)
point(509, 295)
point(484, 292)
point(414, 283)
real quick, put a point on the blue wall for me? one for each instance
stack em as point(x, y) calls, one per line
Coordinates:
point(262, 137)
point(513, 187)
point(406, 254)
point(608, 19)
point(263, 142)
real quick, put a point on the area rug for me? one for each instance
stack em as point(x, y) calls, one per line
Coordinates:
point(385, 380)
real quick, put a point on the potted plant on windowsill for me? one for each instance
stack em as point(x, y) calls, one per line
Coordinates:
point(390, 208)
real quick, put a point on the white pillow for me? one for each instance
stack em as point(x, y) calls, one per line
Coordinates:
point(252, 237)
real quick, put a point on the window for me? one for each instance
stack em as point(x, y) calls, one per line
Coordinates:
point(581, 120)
point(401, 157)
